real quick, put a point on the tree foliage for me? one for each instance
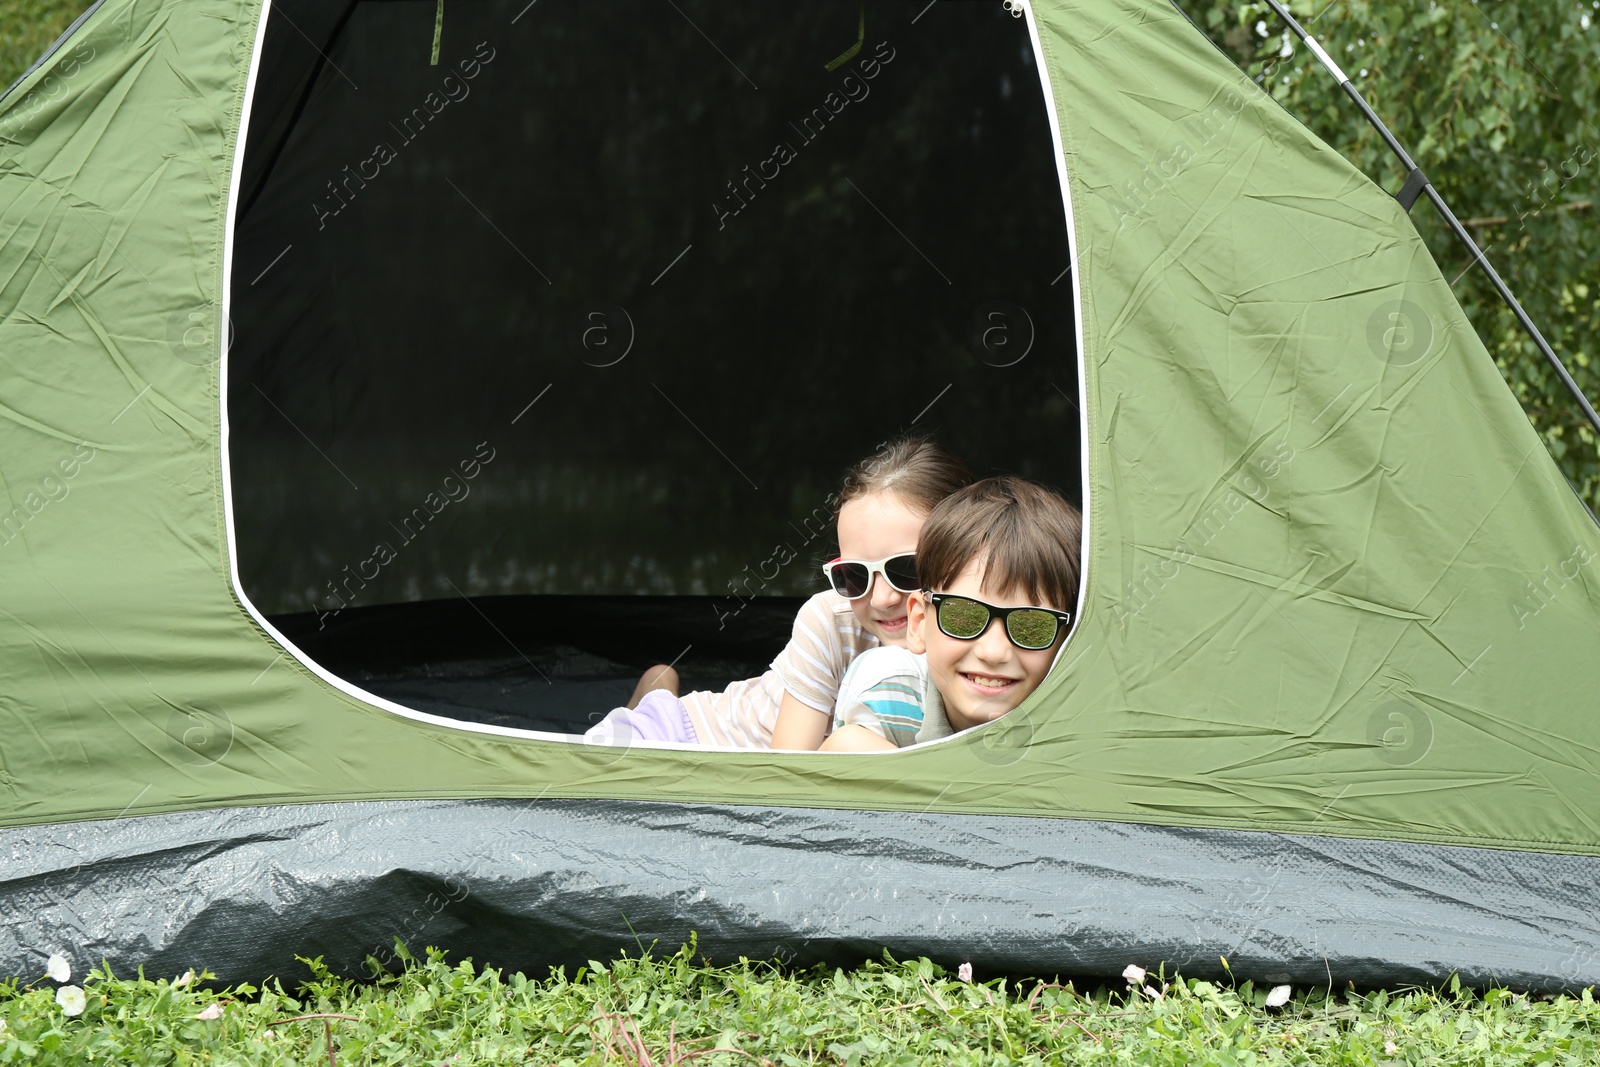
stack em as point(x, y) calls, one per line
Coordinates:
point(1497, 102)
point(27, 28)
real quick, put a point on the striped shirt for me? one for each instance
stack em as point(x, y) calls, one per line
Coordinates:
point(890, 692)
point(827, 637)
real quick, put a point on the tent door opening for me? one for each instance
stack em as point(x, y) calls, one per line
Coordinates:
point(549, 357)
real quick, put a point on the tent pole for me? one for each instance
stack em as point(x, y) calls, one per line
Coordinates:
point(1417, 184)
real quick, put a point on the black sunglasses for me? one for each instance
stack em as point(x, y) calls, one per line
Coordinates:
point(966, 619)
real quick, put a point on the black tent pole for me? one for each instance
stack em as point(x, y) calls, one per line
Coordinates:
point(1417, 184)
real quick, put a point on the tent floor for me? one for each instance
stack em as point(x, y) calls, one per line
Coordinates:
point(553, 663)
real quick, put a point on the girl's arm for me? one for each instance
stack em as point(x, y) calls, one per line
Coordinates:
point(856, 739)
point(799, 728)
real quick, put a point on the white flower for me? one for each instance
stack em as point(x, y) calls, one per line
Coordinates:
point(58, 968)
point(212, 1011)
point(71, 999)
point(964, 972)
point(1133, 973)
point(1278, 996)
point(1152, 992)
point(185, 979)
point(1390, 1048)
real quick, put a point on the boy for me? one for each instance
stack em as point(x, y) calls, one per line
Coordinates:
point(998, 562)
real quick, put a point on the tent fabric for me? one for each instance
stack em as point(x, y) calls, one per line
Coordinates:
point(1334, 586)
point(529, 885)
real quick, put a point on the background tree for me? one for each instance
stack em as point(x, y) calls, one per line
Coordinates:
point(27, 27)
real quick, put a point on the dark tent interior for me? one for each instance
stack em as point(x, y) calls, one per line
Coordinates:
point(547, 356)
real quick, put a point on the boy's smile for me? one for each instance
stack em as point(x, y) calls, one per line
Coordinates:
point(989, 684)
point(982, 679)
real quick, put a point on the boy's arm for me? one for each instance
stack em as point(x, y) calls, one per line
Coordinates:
point(798, 727)
point(881, 696)
point(856, 739)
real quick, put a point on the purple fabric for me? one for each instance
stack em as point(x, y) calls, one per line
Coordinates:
point(660, 716)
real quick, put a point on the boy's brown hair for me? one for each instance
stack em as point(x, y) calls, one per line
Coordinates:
point(918, 470)
point(1028, 535)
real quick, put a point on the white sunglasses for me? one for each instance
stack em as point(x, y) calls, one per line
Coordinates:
point(852, 578)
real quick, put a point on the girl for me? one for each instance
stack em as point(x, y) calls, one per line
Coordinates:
point(879, 513)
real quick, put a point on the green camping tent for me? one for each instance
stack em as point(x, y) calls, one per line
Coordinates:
point(1328, 704)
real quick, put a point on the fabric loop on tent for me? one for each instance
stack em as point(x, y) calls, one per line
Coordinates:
point(1416, 182)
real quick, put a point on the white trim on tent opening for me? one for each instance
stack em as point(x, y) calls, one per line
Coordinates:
point(1026, 7)
point(1022, 8)
point(289, 646)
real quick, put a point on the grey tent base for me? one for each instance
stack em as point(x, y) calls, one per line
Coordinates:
point(529, 885)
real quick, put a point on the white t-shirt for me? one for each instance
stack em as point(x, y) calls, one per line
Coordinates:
point(890, 692)
point(827, 637)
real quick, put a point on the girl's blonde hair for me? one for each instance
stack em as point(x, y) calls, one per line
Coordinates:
point(918, 470)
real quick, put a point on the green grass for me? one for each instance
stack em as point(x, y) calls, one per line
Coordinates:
point(27, 28)
point(675, 1011)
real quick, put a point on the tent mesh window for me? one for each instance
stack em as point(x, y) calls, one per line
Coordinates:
point(548, 353)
